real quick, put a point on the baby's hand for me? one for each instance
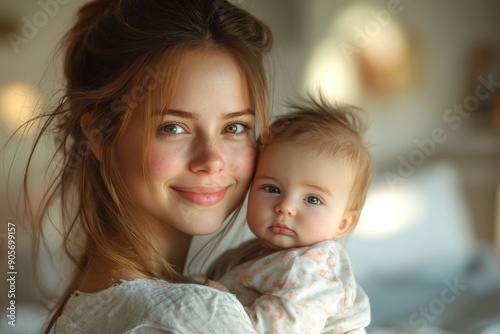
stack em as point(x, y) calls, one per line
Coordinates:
point(216, 285)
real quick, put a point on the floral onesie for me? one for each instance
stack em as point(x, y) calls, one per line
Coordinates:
point(301, 290)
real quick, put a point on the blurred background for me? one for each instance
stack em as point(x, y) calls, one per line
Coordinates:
point(426, 72)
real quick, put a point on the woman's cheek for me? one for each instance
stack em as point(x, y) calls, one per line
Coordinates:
point(164, 164)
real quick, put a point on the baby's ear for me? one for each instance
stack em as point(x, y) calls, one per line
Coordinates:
point(347, 224)
point(93, 136)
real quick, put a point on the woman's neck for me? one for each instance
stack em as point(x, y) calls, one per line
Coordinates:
point(102, 272)
point(175, 250)
point(172, 244)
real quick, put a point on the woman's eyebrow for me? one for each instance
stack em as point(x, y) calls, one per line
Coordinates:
point(177, 113)
point(238, 114)
point(190, 115)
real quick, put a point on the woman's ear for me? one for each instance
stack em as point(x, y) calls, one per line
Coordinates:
point(93, 135)
point(347, 224)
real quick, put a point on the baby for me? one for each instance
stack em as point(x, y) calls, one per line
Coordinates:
point(309, 187)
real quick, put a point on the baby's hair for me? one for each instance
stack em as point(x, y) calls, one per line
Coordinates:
point(331, 129)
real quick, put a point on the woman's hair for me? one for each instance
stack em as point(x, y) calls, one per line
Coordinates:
point(331, 129)
point(121, 56)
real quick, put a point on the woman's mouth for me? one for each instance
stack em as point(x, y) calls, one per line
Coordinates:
point(203, 196)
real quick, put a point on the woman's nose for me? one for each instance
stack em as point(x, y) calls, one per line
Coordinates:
point(208, 157)
point(285, 207)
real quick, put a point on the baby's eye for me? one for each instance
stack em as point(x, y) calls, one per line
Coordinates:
point(313, 200)
point(172, 129)
point(272, 189)
point(235, 128)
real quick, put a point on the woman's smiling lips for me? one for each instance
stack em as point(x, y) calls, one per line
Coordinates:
point(204, 196)
point(281, 229)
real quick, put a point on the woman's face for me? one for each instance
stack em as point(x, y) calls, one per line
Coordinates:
point(202, 153)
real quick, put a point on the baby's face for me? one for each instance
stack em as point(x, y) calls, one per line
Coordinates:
point(299, 198)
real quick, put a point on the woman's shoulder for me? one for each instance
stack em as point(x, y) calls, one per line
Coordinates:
point(149, 293)
point(143, 302)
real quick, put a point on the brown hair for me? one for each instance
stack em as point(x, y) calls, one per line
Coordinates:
point(332, 129)
point(115, 56)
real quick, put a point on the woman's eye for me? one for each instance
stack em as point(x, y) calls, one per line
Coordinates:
point(313, 200)
point(272, 189)
point(235, 128)
point(172, 129)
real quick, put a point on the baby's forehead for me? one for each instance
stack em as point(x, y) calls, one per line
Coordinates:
point(298, 148)
point(297, 152)
point(303, 167)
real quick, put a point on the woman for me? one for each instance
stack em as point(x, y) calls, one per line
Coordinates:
point(156, 142)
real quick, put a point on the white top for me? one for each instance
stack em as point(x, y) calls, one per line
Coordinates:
point(153, 306)
point(301, 290)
